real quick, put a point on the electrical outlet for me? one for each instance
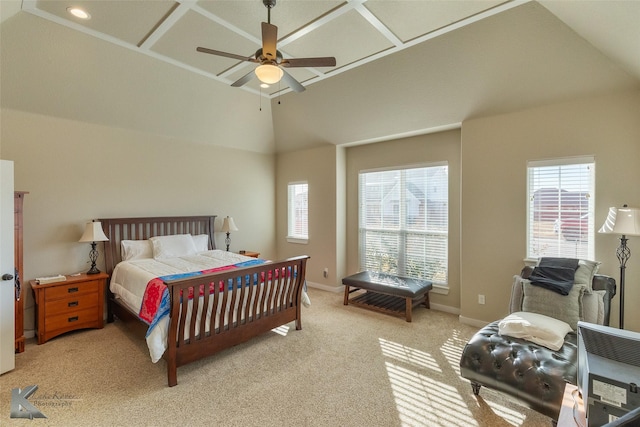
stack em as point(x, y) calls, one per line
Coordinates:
point(481, 299)
point(325, 272)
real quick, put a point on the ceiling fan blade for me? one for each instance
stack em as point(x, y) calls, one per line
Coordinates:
point(327, 61)
point(244, 79)
point(293, 83)
point(269, 40)
point(225, 54)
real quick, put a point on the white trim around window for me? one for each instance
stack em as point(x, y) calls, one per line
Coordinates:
point(298, 212)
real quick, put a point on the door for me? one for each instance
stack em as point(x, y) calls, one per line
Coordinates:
point(7, 269)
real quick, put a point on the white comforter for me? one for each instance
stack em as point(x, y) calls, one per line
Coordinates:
point(129, 282)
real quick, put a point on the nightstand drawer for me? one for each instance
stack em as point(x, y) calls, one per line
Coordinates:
point(72, 303)
point(71, 290)
point(71, 320)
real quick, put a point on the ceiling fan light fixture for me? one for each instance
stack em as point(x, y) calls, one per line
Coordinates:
point(269, 74)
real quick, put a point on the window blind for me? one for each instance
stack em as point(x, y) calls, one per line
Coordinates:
point(561, 208)
point(298, 207)
point(403, 222)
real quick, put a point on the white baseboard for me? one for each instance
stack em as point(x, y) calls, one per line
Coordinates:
point(439, 307)
point(327, 288)
point(445, 308)
point(340, 289)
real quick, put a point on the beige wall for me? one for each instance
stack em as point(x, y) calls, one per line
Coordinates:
point(75, 172)
point(495, 151)
point(317, 166)
point(419, 150)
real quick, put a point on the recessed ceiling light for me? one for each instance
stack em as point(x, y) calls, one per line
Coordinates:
point(78, 13)
point(264, 85)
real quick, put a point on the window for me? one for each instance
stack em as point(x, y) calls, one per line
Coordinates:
point(561, 208)
point(403, 224)
point(298, 212)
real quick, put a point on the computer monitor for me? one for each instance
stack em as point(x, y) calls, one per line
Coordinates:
point(608, 372)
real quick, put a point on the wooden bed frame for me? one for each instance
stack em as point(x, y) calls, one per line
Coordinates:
point(269, 307)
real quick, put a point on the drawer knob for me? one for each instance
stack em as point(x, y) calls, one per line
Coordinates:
point(72, 304)
point(73, 319)
point(72, 290)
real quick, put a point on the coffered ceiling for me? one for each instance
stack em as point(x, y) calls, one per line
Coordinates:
point(403, 67)
point(355, 32)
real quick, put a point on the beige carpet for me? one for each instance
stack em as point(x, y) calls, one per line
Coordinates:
point(346, 367)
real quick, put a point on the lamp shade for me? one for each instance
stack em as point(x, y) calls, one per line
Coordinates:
point(229, 225)
point(625, 221)
point(269, 74)
point(93, 233)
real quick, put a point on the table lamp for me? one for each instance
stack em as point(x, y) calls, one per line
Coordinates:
point(93, 233)
point(227, 227)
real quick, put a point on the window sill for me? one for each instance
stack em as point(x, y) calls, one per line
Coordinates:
point(440, 289)
point(297, 240)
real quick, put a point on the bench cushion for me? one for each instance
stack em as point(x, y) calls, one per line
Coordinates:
point(389, 284)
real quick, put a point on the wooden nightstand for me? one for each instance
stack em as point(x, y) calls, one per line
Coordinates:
point(75, 303)
point(250, 253)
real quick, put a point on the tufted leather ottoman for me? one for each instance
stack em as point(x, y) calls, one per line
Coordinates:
point(532, 373)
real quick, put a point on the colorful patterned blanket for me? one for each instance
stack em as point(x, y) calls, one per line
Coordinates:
point(155, 302)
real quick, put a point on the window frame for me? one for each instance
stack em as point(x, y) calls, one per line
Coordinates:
point(403, 230)
point(292, 215)
point(558, 246)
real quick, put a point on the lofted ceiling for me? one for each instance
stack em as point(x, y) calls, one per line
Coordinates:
point(354, 32)
point(392, 48)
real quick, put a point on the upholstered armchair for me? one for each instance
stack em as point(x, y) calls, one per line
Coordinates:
point(530, 372)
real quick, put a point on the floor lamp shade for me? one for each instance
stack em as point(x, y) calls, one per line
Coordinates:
point(624, 221)
point(93, 233)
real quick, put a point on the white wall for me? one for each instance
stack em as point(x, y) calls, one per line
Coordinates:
point(75, 172)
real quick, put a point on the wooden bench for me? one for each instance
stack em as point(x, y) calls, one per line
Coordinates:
point(386, 293)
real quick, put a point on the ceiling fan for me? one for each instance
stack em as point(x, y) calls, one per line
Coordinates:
point(271, 62)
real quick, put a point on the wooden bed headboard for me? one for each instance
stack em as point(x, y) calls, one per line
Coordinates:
point(118, 229)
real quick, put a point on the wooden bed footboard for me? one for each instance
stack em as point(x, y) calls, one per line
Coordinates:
point(232, 307)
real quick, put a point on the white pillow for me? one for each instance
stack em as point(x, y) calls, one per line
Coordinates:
point(201, 241)
point(173, 246)
point(135, 249)
point(534, 327)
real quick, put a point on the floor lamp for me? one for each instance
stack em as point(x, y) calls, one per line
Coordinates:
point(624, 221)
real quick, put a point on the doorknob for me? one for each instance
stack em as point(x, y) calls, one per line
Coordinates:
point(7, 277)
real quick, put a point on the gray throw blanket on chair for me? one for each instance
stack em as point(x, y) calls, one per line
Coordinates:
point(555, 274)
